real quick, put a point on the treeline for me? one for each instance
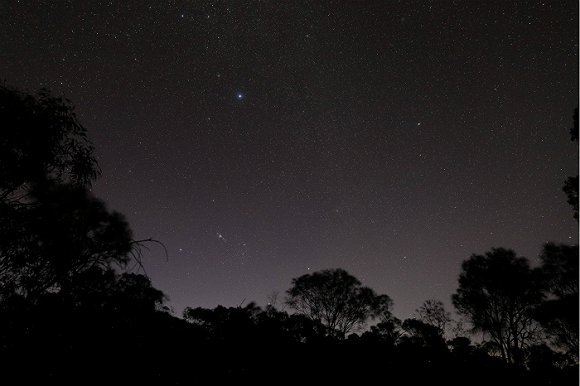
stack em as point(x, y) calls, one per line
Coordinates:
point(72, 310)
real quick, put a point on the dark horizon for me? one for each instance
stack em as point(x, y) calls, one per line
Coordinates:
point(263, 141)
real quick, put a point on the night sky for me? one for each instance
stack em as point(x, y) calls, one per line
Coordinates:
point(263, 140)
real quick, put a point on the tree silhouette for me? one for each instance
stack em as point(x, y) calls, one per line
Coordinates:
point(336, 299)
point(433, 312)
point(233, 324)
point(571, 184)
point(126, 292)
point(388, 331)
point(424, 334)
point(41, 141)
point(62, 232)
point(52, 229)
point(64, 302)
point(250, 325)
point(559, 313)
point(497, 293)
point(574, 129)
point(571, 190)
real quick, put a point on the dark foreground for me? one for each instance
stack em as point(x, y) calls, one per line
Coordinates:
point(161, 349)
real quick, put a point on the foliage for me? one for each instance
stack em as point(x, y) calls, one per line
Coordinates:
point(571, 184)
point(424, 334)
point(433, 312)
point(559, 313)
point(498, 293)
point(574, 129)
point(41, 141)
point(251, 324)
point(387, 331)
point(52, 229)
point(336, 299)
point(571, 190)
point(62, 232)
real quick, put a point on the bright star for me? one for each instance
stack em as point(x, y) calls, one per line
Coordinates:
point(240, 95)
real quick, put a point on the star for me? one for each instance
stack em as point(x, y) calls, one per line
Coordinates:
point(240, 96)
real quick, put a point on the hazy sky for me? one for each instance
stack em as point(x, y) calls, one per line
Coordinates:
point(263, 140)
